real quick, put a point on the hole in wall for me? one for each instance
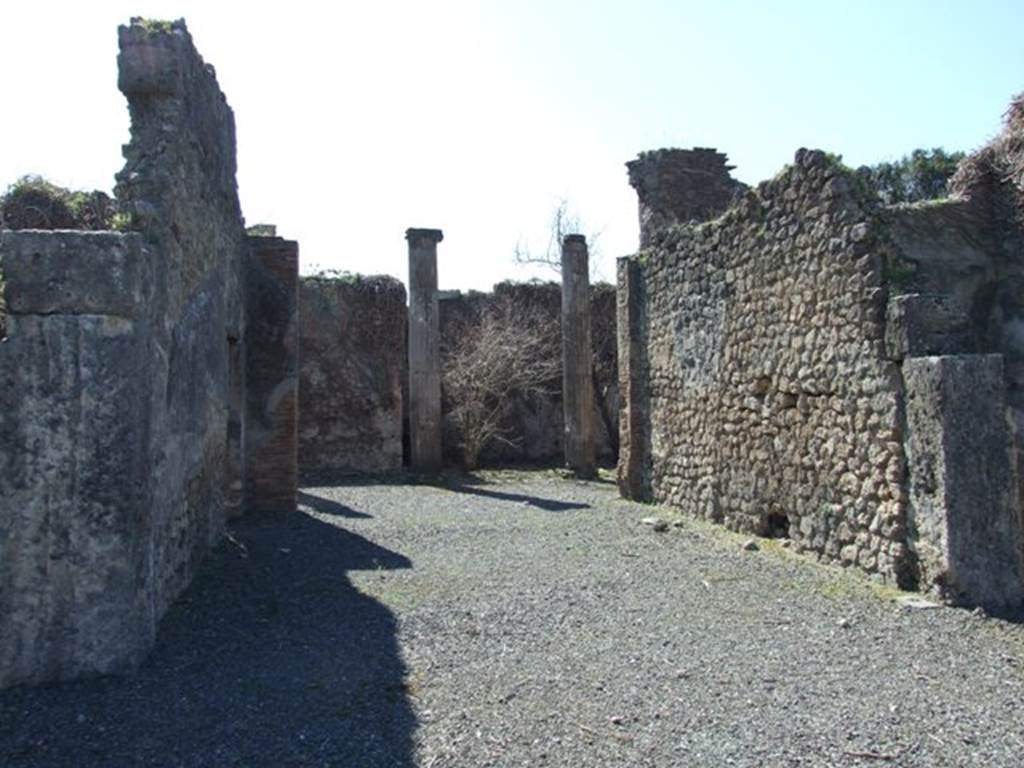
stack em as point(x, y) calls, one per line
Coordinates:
point(776, 526)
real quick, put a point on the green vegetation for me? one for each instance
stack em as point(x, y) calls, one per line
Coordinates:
point(335, 276)
point(922, 175)
point(121, 222)
point(155, 26)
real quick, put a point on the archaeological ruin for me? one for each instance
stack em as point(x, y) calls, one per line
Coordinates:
point(793, 360)
point(149, 383)
point(798, 360)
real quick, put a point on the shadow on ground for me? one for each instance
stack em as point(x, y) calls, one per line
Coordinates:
point(327, 506)
point(548, 505)
point(270, 658)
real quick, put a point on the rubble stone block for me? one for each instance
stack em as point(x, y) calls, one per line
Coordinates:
point(964, 514)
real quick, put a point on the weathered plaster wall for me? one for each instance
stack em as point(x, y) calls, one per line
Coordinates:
point(353, 359)
point(535, 424)
point(119, 397)
point(75, 394)
point(964, 524)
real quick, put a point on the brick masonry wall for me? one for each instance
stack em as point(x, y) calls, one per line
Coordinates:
point(271, 374)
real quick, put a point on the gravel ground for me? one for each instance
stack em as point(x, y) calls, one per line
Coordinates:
point(520, 619)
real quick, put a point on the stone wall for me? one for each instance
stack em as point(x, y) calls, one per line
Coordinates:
point(534, 428)
point(76, 389)
point(121, 411)
point(353, 361)
point(676, 186)
point(353, 371)
point(179, 186)
point(764, 377)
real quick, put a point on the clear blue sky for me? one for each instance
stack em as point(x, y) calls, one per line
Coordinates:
point(357, 120)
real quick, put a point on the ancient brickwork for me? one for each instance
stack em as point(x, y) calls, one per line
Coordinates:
point(352, 363)
point(271, 374)
point(534, 428)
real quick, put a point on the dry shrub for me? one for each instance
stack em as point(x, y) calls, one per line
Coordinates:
point(509, 352)
point(1000, 162)
point(32, 202)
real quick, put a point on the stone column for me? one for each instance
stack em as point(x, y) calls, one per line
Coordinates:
point(633, 406)
point(577, 358)
point(424, 350)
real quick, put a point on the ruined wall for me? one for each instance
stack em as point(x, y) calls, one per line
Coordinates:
point(956, 324)
point(772, 408)
point(676, 186)
point(535, 424)
point(119, 395)
point(353, 371)
point(802, 365)
point(353, 358)
point(179, 186)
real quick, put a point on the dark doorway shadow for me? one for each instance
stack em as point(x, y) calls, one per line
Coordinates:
point(270, 658)
point(328, 506)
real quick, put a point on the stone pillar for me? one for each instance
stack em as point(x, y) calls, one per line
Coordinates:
point(424, 350)
point(675, 186)
point(633, 406)
point(271, 374)
point(964, 512)
point(577, 358)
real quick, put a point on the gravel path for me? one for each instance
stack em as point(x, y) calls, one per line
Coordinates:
point(527, 620)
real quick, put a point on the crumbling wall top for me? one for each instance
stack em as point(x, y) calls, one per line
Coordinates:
point(178, 182)
point(679, 185)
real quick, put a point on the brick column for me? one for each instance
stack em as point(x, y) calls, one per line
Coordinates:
point(271, 374)
point(577, 358)
point(424, 350)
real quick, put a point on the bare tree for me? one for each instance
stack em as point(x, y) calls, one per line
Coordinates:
point(564, 221)
point(509, 352)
